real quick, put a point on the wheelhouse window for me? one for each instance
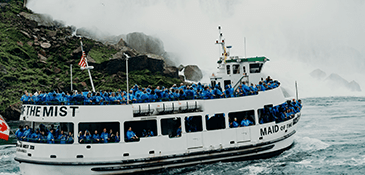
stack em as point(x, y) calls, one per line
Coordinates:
point(135, 130)
point(255, 67)
point(48, 133)
point(193, 124)
point(228, 67)
point(171, 127)
point(236, 69)
point(215, 122)
point(98, 132)
point(241, 119)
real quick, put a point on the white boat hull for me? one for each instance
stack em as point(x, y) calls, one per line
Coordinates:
point(263, 150)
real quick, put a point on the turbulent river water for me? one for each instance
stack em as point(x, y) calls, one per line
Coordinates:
point(330, 139)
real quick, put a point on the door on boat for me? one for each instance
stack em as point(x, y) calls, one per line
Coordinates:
point(245, 120)
point(193, 129)
point(243, 134)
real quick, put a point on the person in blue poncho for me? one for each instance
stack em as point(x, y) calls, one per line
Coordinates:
point(70, 138)
point(50, 138)
point(246, 122)
point(87, 137)
point(216, 92)
point(178, 132)
point(117, 137)
point(35, 136)
point(235, 123)
point(206, 93)
point(152, 96)
point(96, 137)
point(81, 137)
point(25, 97)
point(26, 133)
point(42, 138)
point(62, 137)
point(131, 135)
point(104, 136)
point(19, 132)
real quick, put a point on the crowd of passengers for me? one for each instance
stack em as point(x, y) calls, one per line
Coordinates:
point(281, 112)
point(277, 113)
point(139, 94)
point(44, 135)
point(104, 137)
point(132, 136)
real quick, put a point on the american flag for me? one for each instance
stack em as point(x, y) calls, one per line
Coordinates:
point(82, 62)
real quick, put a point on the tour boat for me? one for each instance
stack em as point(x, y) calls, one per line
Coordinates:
point(185, 132)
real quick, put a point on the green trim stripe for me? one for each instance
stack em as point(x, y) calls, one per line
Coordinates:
point(253, 59)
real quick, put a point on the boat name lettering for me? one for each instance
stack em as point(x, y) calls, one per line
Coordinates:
point(274, 129)
point(49, 111)
point(270, 130)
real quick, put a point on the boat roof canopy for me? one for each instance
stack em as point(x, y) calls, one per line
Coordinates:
point(252, 59)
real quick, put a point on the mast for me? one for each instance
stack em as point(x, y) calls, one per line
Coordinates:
point(221, 42)
point(126, 71)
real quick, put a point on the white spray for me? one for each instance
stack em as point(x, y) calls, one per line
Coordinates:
point(298, 36)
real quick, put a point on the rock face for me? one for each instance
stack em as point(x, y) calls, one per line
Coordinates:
point(136, 63)
point(193, 73)
point(354, 86)
point(336, 81)
point(318, 74)
point(145, 44)
point(13, 111)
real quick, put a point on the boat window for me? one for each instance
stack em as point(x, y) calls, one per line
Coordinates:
point(171, 127)
point(244, 69)
point(213, 83)
point(193, 124)
point(255, 68)
point(266, 114)
point(228, 69)
point(98, 132)
point(215, 122)
point(135, 130)
point(236, 69)
point(47, 132)
point(241, 119)
point(227, 82)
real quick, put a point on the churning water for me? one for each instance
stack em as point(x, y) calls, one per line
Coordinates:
point(330, 139)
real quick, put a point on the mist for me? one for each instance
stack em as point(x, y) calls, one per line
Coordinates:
point(297, 36)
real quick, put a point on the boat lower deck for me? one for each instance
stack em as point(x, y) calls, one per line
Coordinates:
point(261, 150)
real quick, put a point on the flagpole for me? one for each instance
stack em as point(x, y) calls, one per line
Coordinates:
point(71, 77)
point(88, 70)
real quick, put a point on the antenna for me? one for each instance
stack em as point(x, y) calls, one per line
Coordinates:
point(221, 42)
point(244, 43)
point(296, 90)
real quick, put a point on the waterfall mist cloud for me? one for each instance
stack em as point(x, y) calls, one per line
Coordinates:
point(298, 36)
